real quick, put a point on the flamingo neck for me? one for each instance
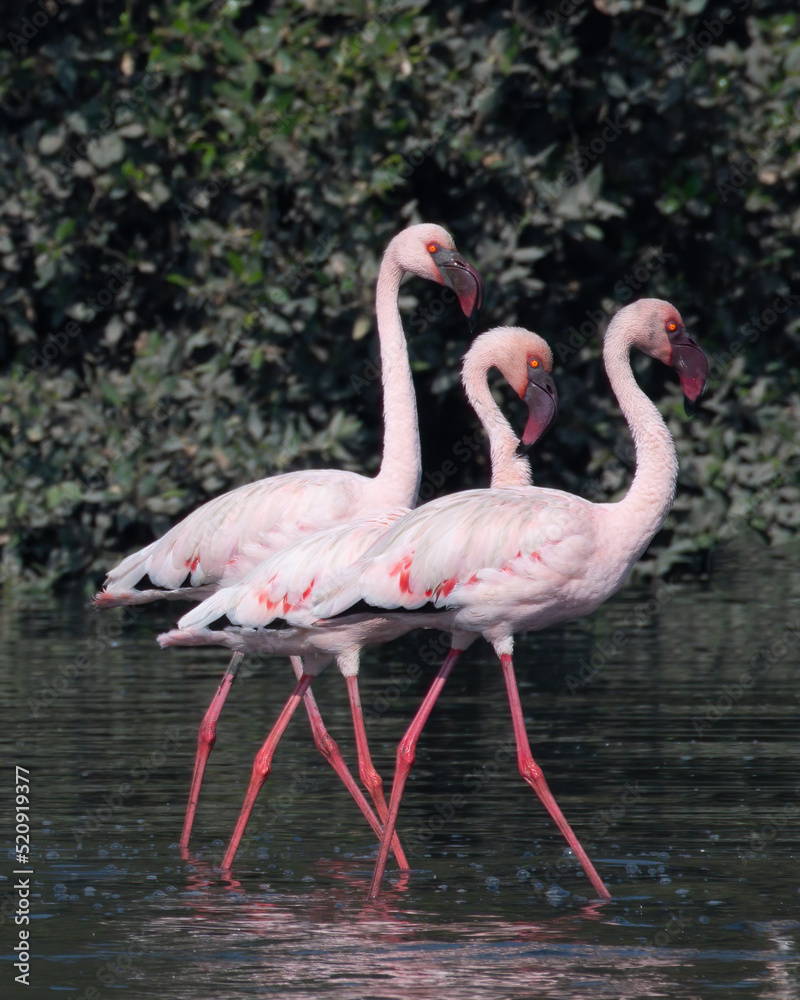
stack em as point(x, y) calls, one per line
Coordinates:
point(644, 508)
point(397, 482)
point(509, 469)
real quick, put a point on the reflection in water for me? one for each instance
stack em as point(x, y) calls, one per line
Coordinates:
point(320, 943)
point(666, 727)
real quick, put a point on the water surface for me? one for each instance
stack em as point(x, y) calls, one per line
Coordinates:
point(667, 728)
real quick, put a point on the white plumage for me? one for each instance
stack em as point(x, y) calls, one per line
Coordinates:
point(284, 586)
point(498, 562)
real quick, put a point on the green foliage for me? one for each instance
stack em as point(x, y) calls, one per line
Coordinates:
point(194, 199)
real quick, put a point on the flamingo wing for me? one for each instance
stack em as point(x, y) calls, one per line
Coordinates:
point(438, 553)
point(208, 544)
point(283, 583)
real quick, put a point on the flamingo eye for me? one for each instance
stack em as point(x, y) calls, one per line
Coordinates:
point(534, 362)
point(433, 247)
point(672, 326)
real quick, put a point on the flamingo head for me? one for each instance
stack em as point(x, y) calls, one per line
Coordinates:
point(526, 362)
point(541, 397)
point(429, 251)
point(664, 337)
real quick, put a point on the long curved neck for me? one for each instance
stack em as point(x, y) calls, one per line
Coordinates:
point(398, 479)
point(508, 468)
point(644, 508)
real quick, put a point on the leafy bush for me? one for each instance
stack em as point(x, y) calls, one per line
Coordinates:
point(194, 199)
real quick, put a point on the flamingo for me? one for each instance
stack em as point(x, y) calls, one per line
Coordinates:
point(222, 539)
point(284, 585)
point(498, 562)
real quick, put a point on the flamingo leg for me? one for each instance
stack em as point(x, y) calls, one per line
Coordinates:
point(206, 738)
point(329, 749)
point(370, 778)
point(404, 763)
point(533, 775)
point(262, 766)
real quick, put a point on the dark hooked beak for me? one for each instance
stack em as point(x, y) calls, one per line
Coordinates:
point(458, 274)
point(692, 367)
point(542, 400)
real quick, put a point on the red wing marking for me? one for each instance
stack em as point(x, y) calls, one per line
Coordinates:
point(269, 606)
point(308, 590)
point(446, 588)
point(403, 568)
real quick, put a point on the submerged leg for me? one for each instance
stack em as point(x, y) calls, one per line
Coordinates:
point(206, 738)
point(262, 765)
point(404, 763)
point(532, 774)
point(369, 776)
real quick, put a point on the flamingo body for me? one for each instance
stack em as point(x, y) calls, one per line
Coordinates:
point(226, 537)
point(278, 589)
point(502, 561)
point(208, 548)
point(204, 550)
point(285, 585)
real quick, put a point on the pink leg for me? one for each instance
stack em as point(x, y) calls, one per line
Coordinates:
point(369, 776)
point(329, 749)
point(405, 761)
point(206, 739)
point(262, 765)
point(532, 773)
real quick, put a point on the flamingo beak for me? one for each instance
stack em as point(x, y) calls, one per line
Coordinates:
point(542, 400)
point(459, 275)
point(691, 365)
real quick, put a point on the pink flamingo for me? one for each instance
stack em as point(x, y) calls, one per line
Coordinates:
point(220, 541)
point(284, 586)
point(502, 561)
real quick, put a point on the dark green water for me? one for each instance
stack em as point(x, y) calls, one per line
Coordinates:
point(674, 754)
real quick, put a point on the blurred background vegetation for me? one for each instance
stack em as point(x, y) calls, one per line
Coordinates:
point(194, 199)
